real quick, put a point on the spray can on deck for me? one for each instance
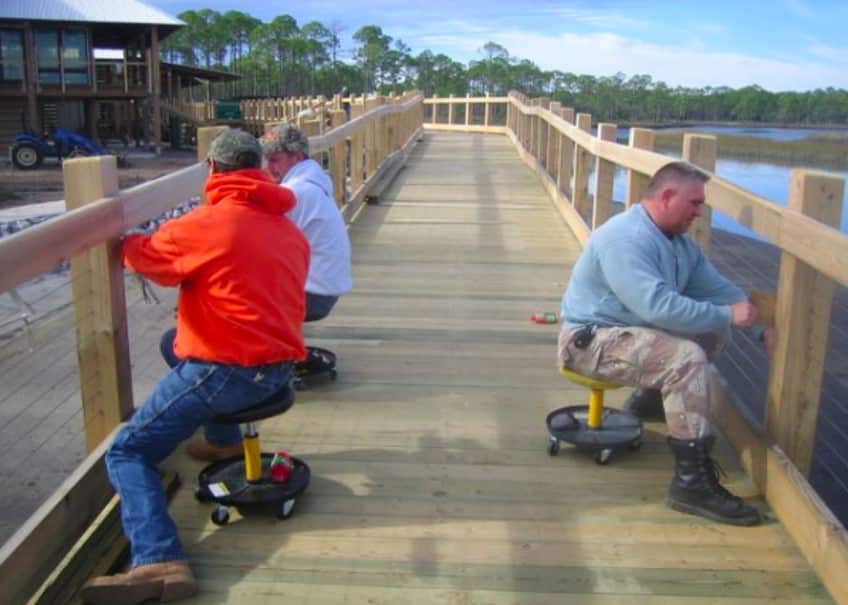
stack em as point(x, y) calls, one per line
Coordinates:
point(281, 467)
point(548, 317)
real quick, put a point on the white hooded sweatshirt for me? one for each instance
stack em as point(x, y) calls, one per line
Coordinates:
point(318, 217)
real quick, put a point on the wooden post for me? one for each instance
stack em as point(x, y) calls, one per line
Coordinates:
point(701, 150)
point(450, 109)
point(581, 167)
point(566, 155)
point(338, 159)
point(486, 111)
point(551, 156)
point(803, 322)
point(467, 110)
point(97, 281)
point(604, 173)
point(157, 89)
point(372, 136)
point(640, 138)
point(31, 77)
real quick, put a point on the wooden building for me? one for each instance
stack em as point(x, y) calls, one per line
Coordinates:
point(88, 65)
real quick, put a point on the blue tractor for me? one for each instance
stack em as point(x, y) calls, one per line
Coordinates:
point(29, 149)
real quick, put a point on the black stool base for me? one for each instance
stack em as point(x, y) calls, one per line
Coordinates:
point(319, 362)
point(224, 482)
point(619, 430)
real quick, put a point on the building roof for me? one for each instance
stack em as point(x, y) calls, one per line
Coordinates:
point(87, 11)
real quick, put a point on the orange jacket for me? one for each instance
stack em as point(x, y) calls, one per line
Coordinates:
point(241, 267)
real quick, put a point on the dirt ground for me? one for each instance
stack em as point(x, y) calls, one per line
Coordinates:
point(20, 187)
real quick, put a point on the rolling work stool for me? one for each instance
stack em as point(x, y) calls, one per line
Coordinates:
point(244, 482)
point(591, 428)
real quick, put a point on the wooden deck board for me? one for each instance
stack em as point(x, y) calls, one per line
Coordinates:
point(431, 480)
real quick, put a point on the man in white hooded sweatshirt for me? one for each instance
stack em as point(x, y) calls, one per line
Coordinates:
point(286, 152)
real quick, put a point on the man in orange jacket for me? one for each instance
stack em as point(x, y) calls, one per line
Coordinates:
point(241, 267)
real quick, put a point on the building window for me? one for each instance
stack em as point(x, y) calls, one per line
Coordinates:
point(73, 45)
point(47, 56)
point(11, 55)
point(75, 57)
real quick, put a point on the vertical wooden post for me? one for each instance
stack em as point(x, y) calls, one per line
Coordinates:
point(486, 112)
point(467, 110)
point(450, 109)
point(701, 150)
point(97, 281)
point(372, 138)
point(640, 138)
point(581, 167)
point(551, 157)
point(31, 79)
point(802, 318)
point(338, 159)
point(566, 155)
point(604, 173)
point(157, 88)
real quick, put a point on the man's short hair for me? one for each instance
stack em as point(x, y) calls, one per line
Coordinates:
point(285, 138)
point(674, 171)
point(235, 149)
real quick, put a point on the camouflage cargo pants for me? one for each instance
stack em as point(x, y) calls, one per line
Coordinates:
point(643, 357)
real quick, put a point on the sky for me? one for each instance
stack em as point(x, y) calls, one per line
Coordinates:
point(777, 44)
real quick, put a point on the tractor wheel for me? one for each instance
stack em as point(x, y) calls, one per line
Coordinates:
point(26, 156)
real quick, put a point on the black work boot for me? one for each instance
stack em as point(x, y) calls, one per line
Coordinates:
point(696, 490)
point(646, 403)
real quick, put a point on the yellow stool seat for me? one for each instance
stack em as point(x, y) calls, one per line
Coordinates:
point(587, 381)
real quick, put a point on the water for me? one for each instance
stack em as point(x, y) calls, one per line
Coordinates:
point(773, 133)
point(760, 178)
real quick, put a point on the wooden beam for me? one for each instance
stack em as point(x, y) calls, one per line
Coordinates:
point(604, 174)
point(820, 536)
point(97, 280)
point(581, 167)
point(803, 319)
point(155, 64)
point(640, 138)
point(100, 550)
point(31, 78)
point(28, 557)
point(702, 151)
point(566, 154)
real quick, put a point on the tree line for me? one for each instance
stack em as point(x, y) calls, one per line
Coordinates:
point(282, 58)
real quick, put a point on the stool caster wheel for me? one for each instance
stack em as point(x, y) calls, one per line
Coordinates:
point(299, 384)
point(635, 445)
point(220, 516)
point(553, 446)
point(603, 456)
point(201, 494)
point(286, 510)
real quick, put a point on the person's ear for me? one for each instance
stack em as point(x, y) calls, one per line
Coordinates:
point(666, 195)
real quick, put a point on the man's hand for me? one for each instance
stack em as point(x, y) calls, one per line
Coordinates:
point(770, 341)
point(743, 314)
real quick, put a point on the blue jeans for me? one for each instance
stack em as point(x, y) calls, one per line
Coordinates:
point(219, 435)
point(187, 397)
point(318, 306)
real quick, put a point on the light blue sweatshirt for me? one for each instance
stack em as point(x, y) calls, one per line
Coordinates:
point(632, 274)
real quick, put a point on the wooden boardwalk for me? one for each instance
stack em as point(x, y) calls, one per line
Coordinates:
point(431, 479)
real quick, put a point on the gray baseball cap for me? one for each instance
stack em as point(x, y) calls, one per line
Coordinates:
point(285, 137)
point(232, 143)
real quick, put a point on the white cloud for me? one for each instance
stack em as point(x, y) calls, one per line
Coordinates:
point(597, 18)
point(602, 54)
point(799, 8)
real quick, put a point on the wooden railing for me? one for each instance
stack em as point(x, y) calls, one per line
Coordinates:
point(559, 146)
point(370, 148)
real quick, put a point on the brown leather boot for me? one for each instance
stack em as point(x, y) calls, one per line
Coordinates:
point(200, 449)
point(164, 582)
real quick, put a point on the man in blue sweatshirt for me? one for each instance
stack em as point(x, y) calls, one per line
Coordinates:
point(658, 312)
